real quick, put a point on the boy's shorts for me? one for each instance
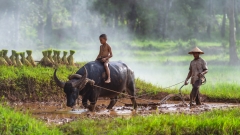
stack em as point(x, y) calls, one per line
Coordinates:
point(100, 59)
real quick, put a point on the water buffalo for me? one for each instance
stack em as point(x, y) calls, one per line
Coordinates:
point(122, 79)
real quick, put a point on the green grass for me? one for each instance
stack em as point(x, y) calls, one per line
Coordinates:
point(215, 122)
point(16, 123)
point(145, 87)
point(32, 83)
point(39, 73)
point(222, 81)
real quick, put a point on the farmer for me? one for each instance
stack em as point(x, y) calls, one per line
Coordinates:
point(105, 54)
point(198, 68)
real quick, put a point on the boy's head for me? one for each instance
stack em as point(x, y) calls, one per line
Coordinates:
point(103, 38)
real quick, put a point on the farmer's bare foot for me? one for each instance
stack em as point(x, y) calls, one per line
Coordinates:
point(108, 80)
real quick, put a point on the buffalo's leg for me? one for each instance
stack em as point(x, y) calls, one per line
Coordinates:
point(134, 103)
point(91, 107)
point(84, 101)
point(131, 92)
point(93, 99)
point(131, 88)
point(112, 102)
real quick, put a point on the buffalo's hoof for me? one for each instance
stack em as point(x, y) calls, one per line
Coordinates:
point(109, 108)
point(91, 108)
point(85, 105)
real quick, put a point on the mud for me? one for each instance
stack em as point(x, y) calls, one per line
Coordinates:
point(59, 113)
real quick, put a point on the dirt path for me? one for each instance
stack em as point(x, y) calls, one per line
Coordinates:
point(58, 113)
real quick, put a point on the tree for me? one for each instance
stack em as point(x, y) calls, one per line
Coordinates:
point(48, 26)
point(223, 27)
point(132, 15)
point(232, 34)
point(236, 11)
point(210, 15)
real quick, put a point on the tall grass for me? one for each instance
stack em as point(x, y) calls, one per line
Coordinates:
point(15, 123)
point(215, 122)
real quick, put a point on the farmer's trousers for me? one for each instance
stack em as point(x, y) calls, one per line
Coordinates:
point(195, 95)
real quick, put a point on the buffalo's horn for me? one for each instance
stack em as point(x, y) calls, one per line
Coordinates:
point(82, 80)
point(86, 72)
point(74, 76)
point(58, 82)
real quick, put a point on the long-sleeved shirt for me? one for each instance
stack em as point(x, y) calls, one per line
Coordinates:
point(197, 66)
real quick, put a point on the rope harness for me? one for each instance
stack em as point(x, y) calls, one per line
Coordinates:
point(149, 101)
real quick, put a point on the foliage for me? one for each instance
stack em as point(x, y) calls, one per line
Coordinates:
point(215, 122)
point(46, 23)
point(12, 123)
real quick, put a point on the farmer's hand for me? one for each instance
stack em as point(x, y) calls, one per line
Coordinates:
point(200, 75)
point(186, 82)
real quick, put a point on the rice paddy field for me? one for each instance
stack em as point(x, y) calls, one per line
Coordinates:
point(156, 66)
point(222, 81)
point(215, 122)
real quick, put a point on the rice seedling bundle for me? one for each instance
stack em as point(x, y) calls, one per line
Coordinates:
point(45, 60)
point(18, 61)
point(59, 60)
point(13, 58)
point(55, 56)
point(50, 56)
point(2, 60)
point(30, 58)
point(24, 60)
point(8, 60)
point(70, 58)
point(64, 58)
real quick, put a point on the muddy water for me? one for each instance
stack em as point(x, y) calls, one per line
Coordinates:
point(58, 113)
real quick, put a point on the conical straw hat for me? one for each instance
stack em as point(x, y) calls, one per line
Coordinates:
point(196, 49)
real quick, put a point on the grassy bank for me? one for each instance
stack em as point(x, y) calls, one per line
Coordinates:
point(15, 123)
point(216, 122)
point(31, 83)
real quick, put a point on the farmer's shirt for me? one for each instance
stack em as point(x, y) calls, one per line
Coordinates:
point(197, 66)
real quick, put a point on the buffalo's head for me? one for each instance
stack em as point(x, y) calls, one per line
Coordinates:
point(72, 87)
